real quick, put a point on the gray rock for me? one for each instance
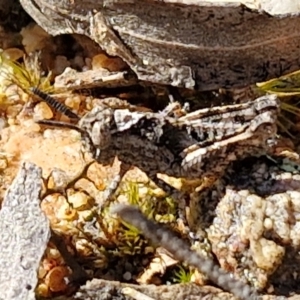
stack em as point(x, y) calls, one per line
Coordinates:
point(24, 234)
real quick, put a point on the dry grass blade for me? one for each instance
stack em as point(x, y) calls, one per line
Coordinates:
point(284, 86)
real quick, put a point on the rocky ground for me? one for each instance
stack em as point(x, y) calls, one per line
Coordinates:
point(250, 221)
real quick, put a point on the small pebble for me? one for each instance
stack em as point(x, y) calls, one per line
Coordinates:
point(42, 111)
point(3, 164)
point(127, 276)
point(57, 279)
point(13, 53)
point(78, 200)
point(73, 102)
point(60, 64)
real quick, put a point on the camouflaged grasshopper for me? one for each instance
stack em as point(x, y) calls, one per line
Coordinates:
point(191, 146)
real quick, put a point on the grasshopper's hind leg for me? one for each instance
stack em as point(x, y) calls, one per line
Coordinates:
point(109, 192)
point(179, 196)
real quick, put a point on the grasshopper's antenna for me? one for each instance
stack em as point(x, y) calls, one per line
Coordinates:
point(55, 104)
point(84, 134)
point(61, 124)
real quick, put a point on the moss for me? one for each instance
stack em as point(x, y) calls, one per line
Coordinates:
point(182, 274)
point(129, 240)
point(25, 75)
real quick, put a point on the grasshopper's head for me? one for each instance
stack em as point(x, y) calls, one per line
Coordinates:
point(97, 125)
point(94, 127)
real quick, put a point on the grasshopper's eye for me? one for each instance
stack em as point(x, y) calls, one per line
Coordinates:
point(100, 134)
point(97, 124)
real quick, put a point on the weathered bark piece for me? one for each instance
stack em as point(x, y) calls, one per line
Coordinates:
point(72, 79)
point(24, 234)
point(98, 289)
point(194, 44)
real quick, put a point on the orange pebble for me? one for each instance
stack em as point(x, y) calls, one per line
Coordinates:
point(56, 279)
